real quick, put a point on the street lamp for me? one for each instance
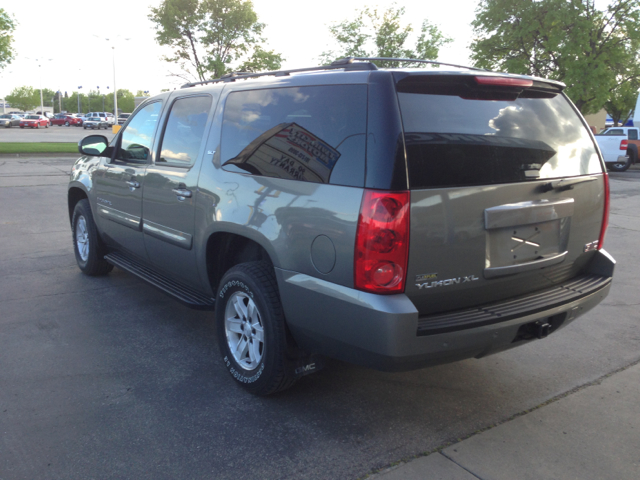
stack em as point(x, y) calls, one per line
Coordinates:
point(115, 90)
point(79, 87)
point(40, 75)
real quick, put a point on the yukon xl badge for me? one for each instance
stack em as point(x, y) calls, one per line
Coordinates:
point(428, 280)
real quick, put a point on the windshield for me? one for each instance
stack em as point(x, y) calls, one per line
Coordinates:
point(5, 116)
point(457, 136)
point(32, 117)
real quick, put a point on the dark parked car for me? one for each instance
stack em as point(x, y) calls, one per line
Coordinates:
point(391, 218)
point(8, 120)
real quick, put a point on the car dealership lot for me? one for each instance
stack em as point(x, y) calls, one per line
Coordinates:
point(109, 378)
point(54, 133)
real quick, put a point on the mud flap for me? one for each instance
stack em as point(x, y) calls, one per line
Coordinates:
point(306, 365)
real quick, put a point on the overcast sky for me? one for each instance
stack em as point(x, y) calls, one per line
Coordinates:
point(67, 39)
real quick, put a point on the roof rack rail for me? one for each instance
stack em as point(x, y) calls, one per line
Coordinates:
point(231, 77)
point(350, 61)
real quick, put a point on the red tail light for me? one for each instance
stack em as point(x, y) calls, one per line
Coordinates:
point(605, 215)
point(624, 144)
point(504, 82)
point(382, 242)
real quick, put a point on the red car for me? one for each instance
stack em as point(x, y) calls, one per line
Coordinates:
point(67, 120)
point(34, 121)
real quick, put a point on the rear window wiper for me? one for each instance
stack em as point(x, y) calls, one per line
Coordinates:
point(566, 183)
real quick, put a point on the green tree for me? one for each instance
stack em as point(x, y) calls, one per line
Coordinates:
point(7, 27)
point(375, 34)
point(48, 96)
point(622, 101)
point(142, 93)
point(592, 51)
point(24, 98)
point(126, 101)
point(212, 37)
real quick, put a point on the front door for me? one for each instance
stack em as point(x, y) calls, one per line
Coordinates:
point(119, 183)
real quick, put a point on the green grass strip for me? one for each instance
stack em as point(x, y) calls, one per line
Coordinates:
point(37, 147)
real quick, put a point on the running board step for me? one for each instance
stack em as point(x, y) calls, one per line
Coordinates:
point(184, 294)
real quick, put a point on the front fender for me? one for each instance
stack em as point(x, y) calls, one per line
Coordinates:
point(81, 181)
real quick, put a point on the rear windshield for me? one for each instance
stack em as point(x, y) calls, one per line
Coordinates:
point(457, 136)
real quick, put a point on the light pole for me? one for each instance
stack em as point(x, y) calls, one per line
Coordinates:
point(40, 75)
point(79, 87)
point(115, 89)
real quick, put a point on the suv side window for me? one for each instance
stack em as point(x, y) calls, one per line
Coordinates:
point(137, 138)
point(314, 134)
point(184, 131)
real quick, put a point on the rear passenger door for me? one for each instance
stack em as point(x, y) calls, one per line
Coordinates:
point(171, 186)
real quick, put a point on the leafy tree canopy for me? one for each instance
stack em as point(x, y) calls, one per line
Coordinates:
point(381, 34)
point(212, 37)
point(7, 26)
point(24, 98)
point(592, 51)
point(622, 101)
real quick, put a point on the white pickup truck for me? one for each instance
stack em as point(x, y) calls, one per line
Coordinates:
point(619, 147)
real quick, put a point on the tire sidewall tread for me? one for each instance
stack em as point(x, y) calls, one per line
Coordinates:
point(95, 264)
point(257, 280)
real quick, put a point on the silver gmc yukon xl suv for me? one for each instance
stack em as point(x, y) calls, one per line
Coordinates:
point(390, 218)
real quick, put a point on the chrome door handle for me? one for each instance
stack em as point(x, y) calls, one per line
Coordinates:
point(133, 184)
point(182, 192)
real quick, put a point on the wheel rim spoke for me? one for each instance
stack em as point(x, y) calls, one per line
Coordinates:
point(241, 310)
point(241, 349)
point(259, 335)
point(234, 325)
point(254, 351)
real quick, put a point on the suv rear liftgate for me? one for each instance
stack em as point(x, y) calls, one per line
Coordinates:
point(507, 200)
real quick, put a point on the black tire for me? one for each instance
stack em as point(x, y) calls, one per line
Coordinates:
point(620, 167)
point(84, 233)
point(265, 367)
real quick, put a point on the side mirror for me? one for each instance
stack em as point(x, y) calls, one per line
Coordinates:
point(93, 145)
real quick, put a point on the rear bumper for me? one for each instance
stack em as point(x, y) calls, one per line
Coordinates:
point(386, 332)
point(615, 159)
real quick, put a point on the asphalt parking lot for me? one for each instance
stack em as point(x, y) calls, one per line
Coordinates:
point(109, 378)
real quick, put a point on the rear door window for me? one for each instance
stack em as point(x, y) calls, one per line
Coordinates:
point(459, 135)
point(314, 134)
point(184, 131)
